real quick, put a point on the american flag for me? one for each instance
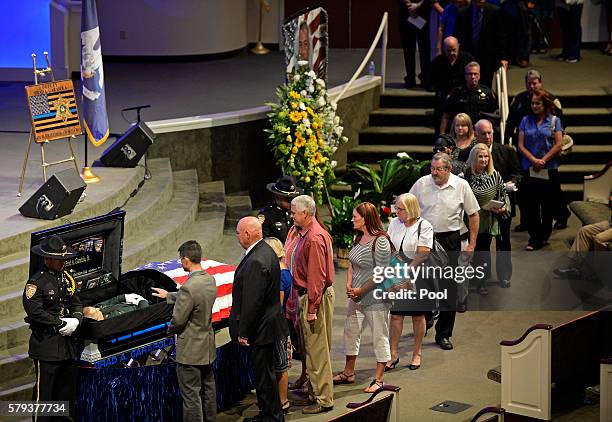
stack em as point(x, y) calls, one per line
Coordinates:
point(316, 19)
point(45, 116)
point(222, 273)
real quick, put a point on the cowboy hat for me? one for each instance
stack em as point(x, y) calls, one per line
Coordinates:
point(53, 247)
point(285, 186)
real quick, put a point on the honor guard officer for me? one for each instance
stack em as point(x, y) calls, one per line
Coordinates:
point(54, 311)
point(276, 218)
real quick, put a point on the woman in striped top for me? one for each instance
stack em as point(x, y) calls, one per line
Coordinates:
point(371, 248)
point(487, 184)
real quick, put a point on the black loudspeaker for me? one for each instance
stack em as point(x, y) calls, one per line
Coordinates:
point(56, 198)
point(129, 149)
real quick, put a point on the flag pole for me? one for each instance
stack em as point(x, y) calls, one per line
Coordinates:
point(87, 175)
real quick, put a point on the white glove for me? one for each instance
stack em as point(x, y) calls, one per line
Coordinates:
point(71, 325)
point(133, 299)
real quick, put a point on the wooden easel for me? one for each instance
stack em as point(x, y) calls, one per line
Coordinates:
point(43, 139)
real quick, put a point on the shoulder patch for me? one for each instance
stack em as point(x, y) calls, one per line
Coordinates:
point(30, 290)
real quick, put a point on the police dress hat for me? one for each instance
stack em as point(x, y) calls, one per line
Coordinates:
point(285, 186)
point(444, 141)
point(53, 247)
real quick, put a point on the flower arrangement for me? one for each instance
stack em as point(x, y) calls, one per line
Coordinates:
point(305, 130)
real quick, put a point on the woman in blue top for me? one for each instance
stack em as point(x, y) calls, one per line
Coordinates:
point(540, 140)
point(282, 354)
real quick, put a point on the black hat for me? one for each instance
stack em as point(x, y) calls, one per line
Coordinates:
point(444, 141)
point(53, 247)
point(285, 186)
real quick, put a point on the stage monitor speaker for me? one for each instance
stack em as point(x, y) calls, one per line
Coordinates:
point(56, 198)
point(129, 149)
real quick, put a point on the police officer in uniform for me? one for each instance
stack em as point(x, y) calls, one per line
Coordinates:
point(276, 218)
point(471, 98)
point(54, 312)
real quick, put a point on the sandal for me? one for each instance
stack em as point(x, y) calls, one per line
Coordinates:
point(375, 385)
point(286, 406)
point(344, 378)
point(392, 365)
point(298, 383)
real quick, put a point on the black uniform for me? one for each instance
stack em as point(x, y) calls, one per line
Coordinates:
point(48, 296)
point(276, 221)
point(473, 103)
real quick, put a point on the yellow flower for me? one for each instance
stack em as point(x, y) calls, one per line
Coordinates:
point(304, 115)
point(294, 95)
point(307, 179)
point(295, 116)
point(289, 138)
point(312, 138)
point(317, 158)
point(315, 125)
point(321, 142)
point(294, 105)
point(309, 110)
point(294, 150)
point(300, 142)
point(319, 134)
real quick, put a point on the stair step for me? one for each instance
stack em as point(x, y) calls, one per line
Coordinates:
point(586, 116)
point(238, 206)
point(152, 197)
point(589, 154)
point(404, 98)
point(167, 226)
point(15, 363)
point(574, 173)
point(374, 153)
point(17, 389)
point(577, 101)
point(402, 117)
point(590, 135)
point(396, 135)
point(14, 332)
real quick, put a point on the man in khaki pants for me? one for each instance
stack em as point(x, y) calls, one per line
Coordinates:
point(309, 255)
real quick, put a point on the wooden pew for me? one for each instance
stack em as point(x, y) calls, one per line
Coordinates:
point(547, 369)
point(377, 410)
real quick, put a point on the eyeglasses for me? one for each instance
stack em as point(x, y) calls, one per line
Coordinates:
point(400, 208)
point(441, 169)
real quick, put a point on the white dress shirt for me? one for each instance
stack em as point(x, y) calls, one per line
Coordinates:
point(443, 206)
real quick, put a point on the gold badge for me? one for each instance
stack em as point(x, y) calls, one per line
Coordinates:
point(62, 108)
point(30, 290)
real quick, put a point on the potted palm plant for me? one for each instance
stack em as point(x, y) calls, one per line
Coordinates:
point(341, 226)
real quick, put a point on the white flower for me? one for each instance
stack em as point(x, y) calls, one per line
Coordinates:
point(336, 120)
point(334, 149)
point(334, 106)
point(302, 63)
point(333, 163)
point(321, 102)
point(306, 122)
point(402, 155)
point(311, 89)
point(320, 82)
point(309, 131)
point(303, 93)
point(311, 74)
point(302, 106)
point(296, 78)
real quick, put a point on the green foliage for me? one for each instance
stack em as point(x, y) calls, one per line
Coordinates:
point(341, 223)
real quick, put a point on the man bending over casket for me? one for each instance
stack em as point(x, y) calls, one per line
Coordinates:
point(115, 306)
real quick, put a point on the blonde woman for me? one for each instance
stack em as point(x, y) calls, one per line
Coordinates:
point(404, 234)
point(282, 351)
point(462, 131)
point(487, 184)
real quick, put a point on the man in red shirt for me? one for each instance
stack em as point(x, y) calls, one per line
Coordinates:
point(310, 258)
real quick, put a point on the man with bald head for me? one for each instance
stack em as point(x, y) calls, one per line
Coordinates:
point(255, 318)
point(447, 72)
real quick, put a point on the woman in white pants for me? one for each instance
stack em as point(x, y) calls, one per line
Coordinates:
point(371, 248)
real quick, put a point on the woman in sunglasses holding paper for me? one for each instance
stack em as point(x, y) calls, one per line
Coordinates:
point(539, 141)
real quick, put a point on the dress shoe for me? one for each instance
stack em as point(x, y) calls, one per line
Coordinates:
point(461, 307)
point(523, 63)
point(444, 343)
point(316, 408)
point(569, 272)
point(504, 284)
point(255, 418)
point(302, 402)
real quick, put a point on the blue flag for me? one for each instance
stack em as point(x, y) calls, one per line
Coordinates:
point(92, 76)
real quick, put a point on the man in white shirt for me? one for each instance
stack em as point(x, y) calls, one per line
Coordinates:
point(443, 198)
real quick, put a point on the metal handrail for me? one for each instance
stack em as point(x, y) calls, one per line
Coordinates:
point(501, 83)
point(383, 30)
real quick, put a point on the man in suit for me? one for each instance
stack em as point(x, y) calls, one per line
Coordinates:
point(195, 345)
point(255, 318)
point(481, 32)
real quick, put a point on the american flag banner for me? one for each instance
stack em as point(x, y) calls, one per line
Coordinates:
point(222, 273)
point(53, 110)
point(305, 34)
point(92, 76)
